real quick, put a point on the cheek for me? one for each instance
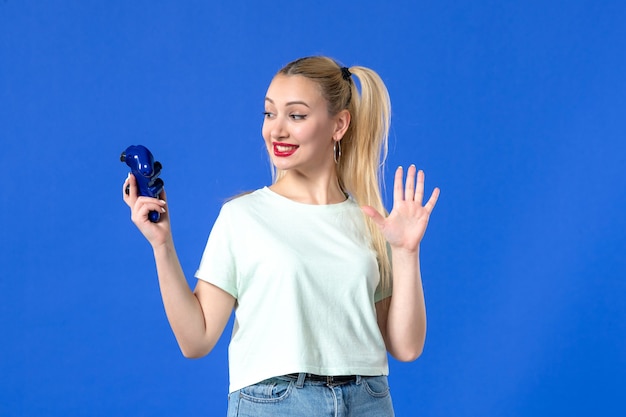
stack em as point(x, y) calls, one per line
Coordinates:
point(265, 132)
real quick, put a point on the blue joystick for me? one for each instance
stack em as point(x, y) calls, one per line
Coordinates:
point(146, 170)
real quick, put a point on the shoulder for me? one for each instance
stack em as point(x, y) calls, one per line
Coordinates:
point(245, 202)
point(236, 212)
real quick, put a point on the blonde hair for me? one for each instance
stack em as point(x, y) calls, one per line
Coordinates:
point(364, 145)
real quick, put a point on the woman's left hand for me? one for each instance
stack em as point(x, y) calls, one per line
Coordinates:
point(405, 226)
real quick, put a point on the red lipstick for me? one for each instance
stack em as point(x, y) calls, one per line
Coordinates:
point(284, 149)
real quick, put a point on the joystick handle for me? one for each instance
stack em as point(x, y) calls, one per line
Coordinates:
point(146, 171)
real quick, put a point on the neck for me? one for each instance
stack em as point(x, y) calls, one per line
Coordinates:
point(320, 190)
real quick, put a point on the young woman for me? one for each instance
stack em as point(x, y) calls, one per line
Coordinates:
point(307, 262)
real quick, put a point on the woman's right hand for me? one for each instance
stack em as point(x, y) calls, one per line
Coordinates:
point(156, 233)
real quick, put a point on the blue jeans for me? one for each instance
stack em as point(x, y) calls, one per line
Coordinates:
point(286, 396)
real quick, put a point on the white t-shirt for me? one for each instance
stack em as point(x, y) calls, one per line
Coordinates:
point(305, 279)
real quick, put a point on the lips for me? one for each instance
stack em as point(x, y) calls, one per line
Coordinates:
point(284, 149)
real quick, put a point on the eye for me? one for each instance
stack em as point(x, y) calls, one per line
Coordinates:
point(268, 115)
point(298, 116)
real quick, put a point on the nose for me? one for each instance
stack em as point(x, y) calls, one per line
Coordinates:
point(276, 128)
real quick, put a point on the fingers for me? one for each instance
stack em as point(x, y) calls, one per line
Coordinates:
point(129, 190)
point(413, 189)
point(144, 205)
point(141, 206)
point(430, 204)
point(373, 214)
point(409, 187)
point(398, 194)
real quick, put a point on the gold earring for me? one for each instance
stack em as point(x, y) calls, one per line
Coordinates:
point(337, 151)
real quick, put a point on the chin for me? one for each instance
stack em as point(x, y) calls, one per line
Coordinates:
point(280, 163)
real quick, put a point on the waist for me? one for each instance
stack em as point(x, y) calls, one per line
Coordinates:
point(328, 379)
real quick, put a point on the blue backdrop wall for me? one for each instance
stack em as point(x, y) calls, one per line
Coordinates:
point(517, 110)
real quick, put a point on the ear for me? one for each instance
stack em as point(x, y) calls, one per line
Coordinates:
point(342, 122)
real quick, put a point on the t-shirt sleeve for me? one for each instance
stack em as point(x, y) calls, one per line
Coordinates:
point(217, 265)
point(381, 294)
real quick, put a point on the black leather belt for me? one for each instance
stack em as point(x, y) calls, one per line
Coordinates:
point(335, 379)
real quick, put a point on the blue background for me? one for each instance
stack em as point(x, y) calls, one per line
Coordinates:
point(517, 110)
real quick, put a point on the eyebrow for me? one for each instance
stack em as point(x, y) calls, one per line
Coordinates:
point(290, 103)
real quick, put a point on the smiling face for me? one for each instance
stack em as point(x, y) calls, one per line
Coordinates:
point(298, 129)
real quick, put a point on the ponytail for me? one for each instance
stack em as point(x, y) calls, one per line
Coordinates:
point(363, 155)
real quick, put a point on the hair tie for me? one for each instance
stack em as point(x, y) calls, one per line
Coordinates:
point(345, 73)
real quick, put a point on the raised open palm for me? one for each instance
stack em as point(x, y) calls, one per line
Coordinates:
point(406, 224)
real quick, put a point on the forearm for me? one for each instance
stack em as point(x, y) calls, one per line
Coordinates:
point(182, 307)
point(406, 318)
